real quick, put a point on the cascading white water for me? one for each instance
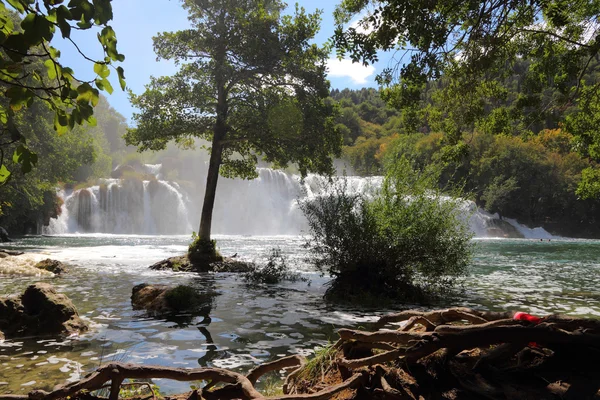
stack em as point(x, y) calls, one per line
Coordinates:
point(267, 205)
point(124, 207)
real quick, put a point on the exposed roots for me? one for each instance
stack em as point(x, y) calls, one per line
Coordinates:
point(456, 353)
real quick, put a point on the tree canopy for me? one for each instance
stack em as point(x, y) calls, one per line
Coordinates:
point(30, 67)
point(470, 46)
point(251, 83)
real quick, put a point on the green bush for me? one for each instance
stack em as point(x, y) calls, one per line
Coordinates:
point(407, 241)
point(202, 250)
point(275, 271)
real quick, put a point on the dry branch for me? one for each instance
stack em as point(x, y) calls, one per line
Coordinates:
point(445, 316)
point(282, 363)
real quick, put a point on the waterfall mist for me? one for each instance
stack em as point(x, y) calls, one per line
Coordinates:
point(267, 205)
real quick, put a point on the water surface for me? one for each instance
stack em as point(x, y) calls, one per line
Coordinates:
point(241, 326)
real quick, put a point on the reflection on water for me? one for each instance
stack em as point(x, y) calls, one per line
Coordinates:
point(240, 326)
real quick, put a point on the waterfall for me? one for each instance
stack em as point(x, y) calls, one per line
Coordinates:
point(123, 206)
point(267, 205)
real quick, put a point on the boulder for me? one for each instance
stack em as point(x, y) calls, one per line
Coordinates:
point(39, 311)
point(54, 266)
point(150, 298)
point(163, 299)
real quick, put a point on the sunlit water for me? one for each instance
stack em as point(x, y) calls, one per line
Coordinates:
point(244, 326)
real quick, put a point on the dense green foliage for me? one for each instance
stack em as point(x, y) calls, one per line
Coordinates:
point(29, 200)
point(469, 53)
point(251, 83)
point(530, 178)
point(405, 241)
point(528, 172)
point(30, 68)
point(367, 125)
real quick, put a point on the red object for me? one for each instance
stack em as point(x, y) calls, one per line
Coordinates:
point(521, 316)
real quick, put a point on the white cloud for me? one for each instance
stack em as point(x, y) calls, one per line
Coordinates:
point(346, 68)
point(362, 25)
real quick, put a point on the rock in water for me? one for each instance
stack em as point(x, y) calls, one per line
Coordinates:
point(54, 266)
point(163, 299)
point(150, 298)
point(40, 311)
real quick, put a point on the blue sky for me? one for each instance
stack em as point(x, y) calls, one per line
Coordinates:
point(137, 21)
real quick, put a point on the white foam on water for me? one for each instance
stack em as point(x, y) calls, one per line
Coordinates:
point(23, 265)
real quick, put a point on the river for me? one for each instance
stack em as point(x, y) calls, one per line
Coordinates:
point(243, 326)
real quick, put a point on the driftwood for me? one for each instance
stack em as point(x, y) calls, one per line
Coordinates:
point(456, 353)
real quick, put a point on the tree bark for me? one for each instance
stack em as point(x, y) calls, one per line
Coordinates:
point(216, 153)
point(211, 188)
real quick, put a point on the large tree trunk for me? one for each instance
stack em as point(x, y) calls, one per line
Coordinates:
point(211, 189)
point(214, 165)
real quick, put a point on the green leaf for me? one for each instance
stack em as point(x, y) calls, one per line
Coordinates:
point(18, 97)
point(87, 94)
point(52, 68)
point(121, 74)
point(60, 122)
point(92, 121)
point(6, 24)
point(108, 39)
point(18, 43)
point(25, 157)
point(107, 86)
point(103, 10)
point(4, 174)
point(36, 28)
point(63, 15)
point(101, 69)
point(16, 4)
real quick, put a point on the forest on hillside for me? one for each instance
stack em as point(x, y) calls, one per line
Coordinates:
point(515, 160)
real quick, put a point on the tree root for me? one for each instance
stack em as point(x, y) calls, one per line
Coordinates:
point(455, 354)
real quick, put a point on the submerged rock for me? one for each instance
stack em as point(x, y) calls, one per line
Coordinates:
point(163, 299)
point(183, 264)
point(54, 266)
point(40, 311)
